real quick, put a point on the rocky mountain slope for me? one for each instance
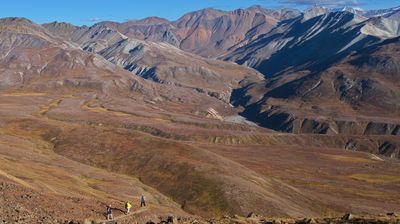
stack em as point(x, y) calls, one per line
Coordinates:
point(392, 13)
point(293, 46)
point(204, 32)
point(360, 86)
point(34, 59)
point(314, 84)
point(160, 62)
point(210, 28)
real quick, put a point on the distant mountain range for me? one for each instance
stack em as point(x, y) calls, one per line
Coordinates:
point(294, 50)
point(211, 33)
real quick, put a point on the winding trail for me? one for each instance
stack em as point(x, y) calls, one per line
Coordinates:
point(123, 217)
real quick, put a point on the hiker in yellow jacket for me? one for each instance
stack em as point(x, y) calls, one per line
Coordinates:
point(128, 207)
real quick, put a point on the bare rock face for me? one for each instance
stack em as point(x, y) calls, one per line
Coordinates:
point(392, 13)
point(204, 32)
point(209, 28)
point(161, 62)
point(62, 29)
point(302, 43)
point(315, 11)
point(151, 29)
point(35, 59)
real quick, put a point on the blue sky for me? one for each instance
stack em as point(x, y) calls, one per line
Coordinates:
point(80, 12)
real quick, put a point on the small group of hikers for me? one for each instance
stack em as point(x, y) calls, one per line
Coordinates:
point(128, 207)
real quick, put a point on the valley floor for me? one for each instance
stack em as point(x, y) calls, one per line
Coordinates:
point(65, 157)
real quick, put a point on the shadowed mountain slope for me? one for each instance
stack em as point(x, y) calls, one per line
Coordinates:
point(313, 44)
point(358, 95)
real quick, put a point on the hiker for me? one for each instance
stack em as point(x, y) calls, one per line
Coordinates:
point(128, 207)
point(142, 202)
point(109, 213)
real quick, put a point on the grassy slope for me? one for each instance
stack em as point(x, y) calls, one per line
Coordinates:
point(27, 158)
point(207, 179)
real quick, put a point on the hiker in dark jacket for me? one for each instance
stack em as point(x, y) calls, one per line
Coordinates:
point(142, 202)
point(109, 213)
